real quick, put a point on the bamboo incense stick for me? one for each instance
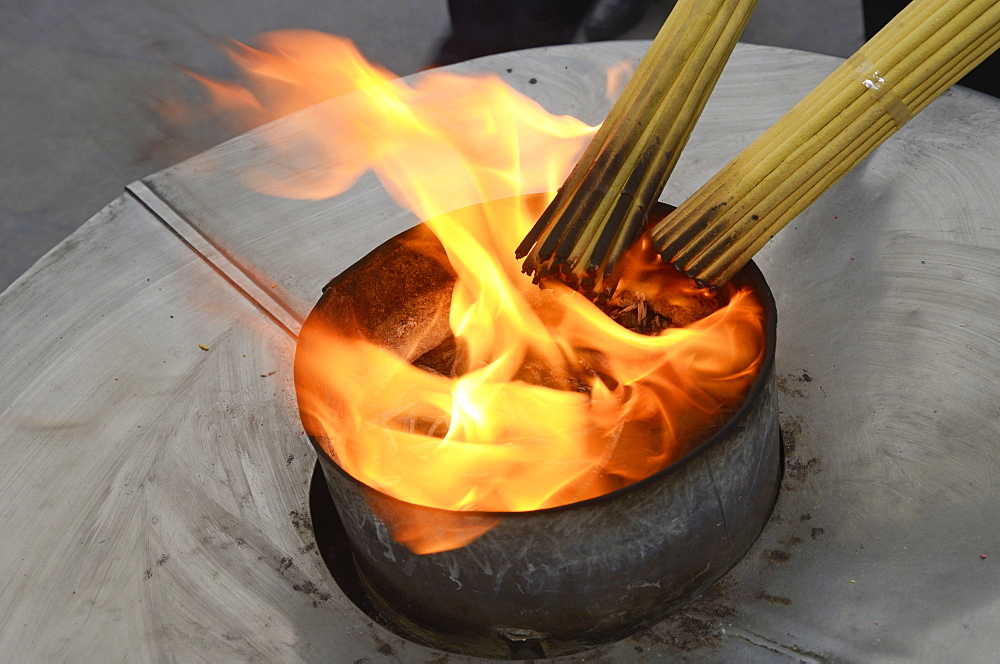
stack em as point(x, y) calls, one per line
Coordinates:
point(928, 47)
point(602, 208)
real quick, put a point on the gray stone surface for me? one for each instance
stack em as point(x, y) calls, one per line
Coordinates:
point(83, 84)
point(153, 492)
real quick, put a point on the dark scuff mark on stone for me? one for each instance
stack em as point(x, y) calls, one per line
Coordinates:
point(715, 602)
point(383, 648)
point(776, 555)
point(787, 387)
point(684, 632)
point(309, 588)
point(774, 599)
point(799, 470)
point(301, 522)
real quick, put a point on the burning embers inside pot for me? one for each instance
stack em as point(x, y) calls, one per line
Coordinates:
point(467, 389)
point(593, 548)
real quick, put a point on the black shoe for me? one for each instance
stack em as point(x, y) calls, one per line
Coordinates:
point(610, 18)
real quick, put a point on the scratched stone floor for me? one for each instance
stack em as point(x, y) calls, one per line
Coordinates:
point(84, 85)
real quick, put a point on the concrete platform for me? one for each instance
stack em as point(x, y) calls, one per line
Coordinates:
point(155, 492)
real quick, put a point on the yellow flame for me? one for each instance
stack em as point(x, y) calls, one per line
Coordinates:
point(549, 400)
point(618, 75)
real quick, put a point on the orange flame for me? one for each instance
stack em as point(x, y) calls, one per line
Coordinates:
point(617, 77)
point(550, 401)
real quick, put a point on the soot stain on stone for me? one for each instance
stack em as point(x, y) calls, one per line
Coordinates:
point(787, 386)
point(776, 556)
point(684, 632)
point(443, 658)
point(797, 469)
point(715, 602)
point(300, 522)
point(774, 599)
point(697, 626)
point(309, 588)
point(383, 648)
point(791, 429)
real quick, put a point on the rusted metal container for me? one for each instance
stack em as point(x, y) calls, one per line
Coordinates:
point(556, 580)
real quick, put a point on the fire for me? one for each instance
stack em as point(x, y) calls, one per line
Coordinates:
point(546, 400)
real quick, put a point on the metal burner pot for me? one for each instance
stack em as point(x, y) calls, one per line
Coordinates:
point(556, 580)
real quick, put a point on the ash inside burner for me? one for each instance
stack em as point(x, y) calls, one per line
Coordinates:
point(633, 311)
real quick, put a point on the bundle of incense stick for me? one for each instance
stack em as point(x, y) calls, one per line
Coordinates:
point(928, 47)
point(923, 51)
point(602, 208)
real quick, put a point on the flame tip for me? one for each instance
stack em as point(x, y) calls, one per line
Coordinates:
point(526, 400)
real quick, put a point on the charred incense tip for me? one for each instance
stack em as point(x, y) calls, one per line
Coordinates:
point(601, 209)
point(524, 248)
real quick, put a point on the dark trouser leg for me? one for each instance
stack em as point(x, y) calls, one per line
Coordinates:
point(484, 27)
